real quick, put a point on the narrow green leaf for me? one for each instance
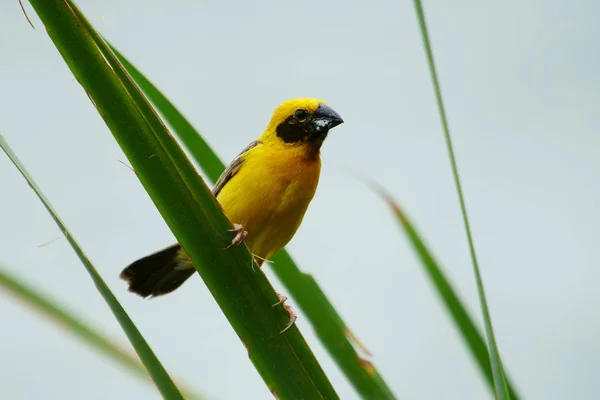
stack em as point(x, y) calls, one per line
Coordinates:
point(471, 335)
point(160, 376)
point(328, 324)
point(50, 308)
point(243, 293)
point(335, 335)
point(201, 151)
point(500, 384)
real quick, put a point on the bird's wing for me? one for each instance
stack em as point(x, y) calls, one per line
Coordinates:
point(232, 169)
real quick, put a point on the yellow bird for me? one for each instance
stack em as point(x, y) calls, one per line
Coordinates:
point(265, 192)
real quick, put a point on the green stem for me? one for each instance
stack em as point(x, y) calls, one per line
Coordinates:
point(498, 372)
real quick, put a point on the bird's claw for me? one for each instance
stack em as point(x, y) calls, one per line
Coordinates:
point(289, 310)
point(282, 300)
point(239, 237)
point(293, 317)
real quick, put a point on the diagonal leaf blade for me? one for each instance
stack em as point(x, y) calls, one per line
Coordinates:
point(500, 384)
point(201, 151)
point(328, 324)
point(52, 310)
point(243, 293)
point(471, 335)
point(160, 376)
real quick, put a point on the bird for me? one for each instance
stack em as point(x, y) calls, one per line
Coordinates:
point(265, 192)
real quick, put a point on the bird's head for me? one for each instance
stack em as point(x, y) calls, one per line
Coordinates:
point(301, 122)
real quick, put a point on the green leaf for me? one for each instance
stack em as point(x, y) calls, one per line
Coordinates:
point(201, 151)
point(328, 324)
point(49, 308)
point(243, 293)
point(471, 335)
point(500, 385)
point(161, 378)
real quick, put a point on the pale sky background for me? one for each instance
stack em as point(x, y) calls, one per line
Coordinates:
point(522, 90)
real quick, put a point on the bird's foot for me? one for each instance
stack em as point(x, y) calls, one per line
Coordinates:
point(281, 298)
point(289, 310)
point(258, 260)
point(239, 237)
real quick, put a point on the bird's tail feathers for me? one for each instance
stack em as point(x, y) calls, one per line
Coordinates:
point(159, 273)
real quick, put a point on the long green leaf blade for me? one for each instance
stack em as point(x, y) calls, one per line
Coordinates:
point(201, 151)
point(501, 387)
point(49, 308)
point(328, 324)
point(57, 313)
point(471, 335)
point(243, 293)
point(160, 376)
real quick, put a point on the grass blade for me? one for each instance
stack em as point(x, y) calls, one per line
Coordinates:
point(243, 293)
point(501, 387)
point(328, 324)
point(160, 376)
point(201, 151)
point(50, 309)
point(471, 335)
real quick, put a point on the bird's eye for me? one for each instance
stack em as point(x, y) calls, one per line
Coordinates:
point(301, 114)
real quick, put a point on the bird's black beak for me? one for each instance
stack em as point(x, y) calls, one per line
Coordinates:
point(324, 119)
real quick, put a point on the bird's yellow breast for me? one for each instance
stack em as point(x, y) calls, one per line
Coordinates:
point(269, 195)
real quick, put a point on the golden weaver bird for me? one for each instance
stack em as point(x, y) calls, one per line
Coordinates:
point(265, 192)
